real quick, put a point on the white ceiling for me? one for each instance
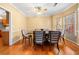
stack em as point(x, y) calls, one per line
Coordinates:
point(27, 8)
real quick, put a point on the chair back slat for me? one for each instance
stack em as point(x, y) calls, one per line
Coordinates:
point(38, 36)
point(54, 36)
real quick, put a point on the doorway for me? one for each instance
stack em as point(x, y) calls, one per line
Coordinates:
point(4, 27)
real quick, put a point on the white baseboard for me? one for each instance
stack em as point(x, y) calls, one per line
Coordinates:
point(13, 42)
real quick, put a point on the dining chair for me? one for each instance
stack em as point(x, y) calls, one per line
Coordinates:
point(54, 38)
point(38, 38)
point(62, 35)
point(25, 36)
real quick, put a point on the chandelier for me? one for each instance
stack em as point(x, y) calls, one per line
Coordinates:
point(40, 10)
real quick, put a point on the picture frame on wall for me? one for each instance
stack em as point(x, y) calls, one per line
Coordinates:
point(59, 23)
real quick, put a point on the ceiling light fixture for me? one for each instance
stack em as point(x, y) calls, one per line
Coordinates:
point(40, 10)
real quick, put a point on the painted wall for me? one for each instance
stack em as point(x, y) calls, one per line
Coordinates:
point(65, 13)
point(39, 22)
point(78, 22)
point(17, 22)
point(61, 15)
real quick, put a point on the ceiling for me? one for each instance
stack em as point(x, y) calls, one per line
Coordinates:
point(27, 8)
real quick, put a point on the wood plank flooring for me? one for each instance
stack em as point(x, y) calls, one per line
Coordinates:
point(26, 49)
point(1, 44)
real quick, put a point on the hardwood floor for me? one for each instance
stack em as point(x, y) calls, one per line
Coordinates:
point(26, 49)
point(1, 44)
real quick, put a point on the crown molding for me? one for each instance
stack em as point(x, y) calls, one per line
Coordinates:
point(17, 9)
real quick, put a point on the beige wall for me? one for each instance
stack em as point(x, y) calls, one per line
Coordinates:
point(18, 21)
point(65, 13)
point(78, 20)
point(39, 22)
point(61, 15)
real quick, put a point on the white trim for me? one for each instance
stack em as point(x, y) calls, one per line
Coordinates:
point(16, 38)
point(78, 21)
point(10, 32)
point(72, 42)
point(70, 6)
point(65, 9)
point(78, 8)
point(17, 9)
point(15, 42)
